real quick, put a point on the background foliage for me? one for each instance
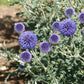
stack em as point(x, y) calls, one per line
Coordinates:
point(65, 61)
point(4, 2)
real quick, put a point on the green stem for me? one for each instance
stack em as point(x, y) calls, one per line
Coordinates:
point(81, 57)
point(48, 61)
point(73, 43)
point(39, 60)
point(31, 72)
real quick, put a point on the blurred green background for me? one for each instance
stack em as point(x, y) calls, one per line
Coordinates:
point(4, 2)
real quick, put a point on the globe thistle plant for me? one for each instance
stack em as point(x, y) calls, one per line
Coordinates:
point(54, 38)
point(55, 26)
point(45, 47)
point(28, 40)
point(58, 58)
point(81, 17)
point(25, 56)
point(21, 67)
point(19, 27)
point(67, 27)
point(69, 12)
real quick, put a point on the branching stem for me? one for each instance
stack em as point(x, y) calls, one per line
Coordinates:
point(39, 60)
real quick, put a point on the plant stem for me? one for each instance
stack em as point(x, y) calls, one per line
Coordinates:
point(81, 57)
point(39, 60)
point(73, 43)
point(42, 65)
point(75, 48)
point(31, 72)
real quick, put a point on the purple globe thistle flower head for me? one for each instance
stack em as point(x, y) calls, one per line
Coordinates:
point(28, 40)
point(25, 56)
point(19, 27)
point(69, 12)
point(55, 26)
point(21, 67)
point(81, 17)
point(67, 27)
point(54, 38)
point(45, 47)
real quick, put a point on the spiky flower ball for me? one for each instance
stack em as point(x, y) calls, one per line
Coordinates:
point(67, 27)
point(28, 40)
point(69, 12)
point(54, 38)
point(55, 26)
point(45, 47)
point(81, 17)
point(21, 67)
point(19, 27)
point(25, 56)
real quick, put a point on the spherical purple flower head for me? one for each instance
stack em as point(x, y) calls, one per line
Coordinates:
point(54, 38)
point(25, 56)
point(21, 67)
point(67, 27)
point(19, 27)
point(28, 40)
point(55, 26)
point(45, 47)
point(69, 12)
point(81, 17)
